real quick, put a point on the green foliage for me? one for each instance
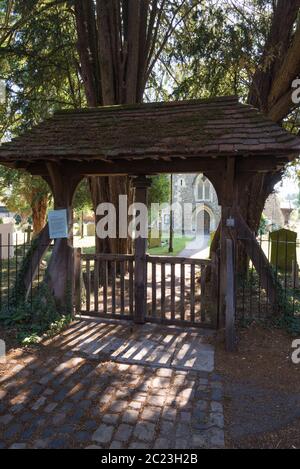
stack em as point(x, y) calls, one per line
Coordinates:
point(33, 321)
point(263, 225)
point(82, 198)
point(286, 314)
point(39, 64)
point(216, 51)
point(159, 192)
point(20, 191)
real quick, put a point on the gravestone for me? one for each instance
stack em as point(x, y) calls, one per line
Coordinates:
point(283, 249)
point(7, 240)
point(28, 233)
point(211, 237)
point(154, 238)
point(2, 351)
point(76, 229)
point(90, 229)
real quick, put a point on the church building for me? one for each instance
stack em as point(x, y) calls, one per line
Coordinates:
point(197, 190)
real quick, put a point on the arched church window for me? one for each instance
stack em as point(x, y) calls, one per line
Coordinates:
point(207, 190)
point(200, 189)
point(203, 189)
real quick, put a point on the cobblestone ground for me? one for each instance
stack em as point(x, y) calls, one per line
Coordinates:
point(66, 401)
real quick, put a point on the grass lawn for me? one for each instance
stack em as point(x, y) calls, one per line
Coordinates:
point(179, 245)
point(163, 250)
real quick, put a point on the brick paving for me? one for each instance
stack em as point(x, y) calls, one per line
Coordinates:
point(62, 400)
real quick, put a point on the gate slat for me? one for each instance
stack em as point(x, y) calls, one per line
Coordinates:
point(122, 286)
point(173, 291)
point(202, 296)
point(131, 288)
point(105, 286)
point(113, 287)
point(153, 281)
point(163, 290)
point(193, 293)
point(182, 292)
point(96, 285)
point(88, 285)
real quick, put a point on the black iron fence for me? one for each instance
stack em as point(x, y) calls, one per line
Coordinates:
point(252, 298)
point(255, 301)
point(15, 260)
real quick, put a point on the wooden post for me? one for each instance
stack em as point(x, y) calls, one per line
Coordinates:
point(141, 184)
point(77, 280)
point(61, 265)
point(171, 234)
point(230, 298)
point(229, 195)
point(215, 289)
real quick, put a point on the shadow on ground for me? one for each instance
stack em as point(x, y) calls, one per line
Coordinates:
point(53, 398)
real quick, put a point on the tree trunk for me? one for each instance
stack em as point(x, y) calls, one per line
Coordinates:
point(271, 93)
point(39, 248)
point(104, 189)
point(116, 45)
point(39, 213)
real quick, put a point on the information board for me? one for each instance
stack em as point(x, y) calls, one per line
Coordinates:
point(58, 224)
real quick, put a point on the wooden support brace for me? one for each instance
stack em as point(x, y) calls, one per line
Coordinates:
point(258, 258)
point(42, 244)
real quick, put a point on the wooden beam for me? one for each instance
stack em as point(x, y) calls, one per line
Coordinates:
point(150, 166)
point(133, 167)
point(259, 164)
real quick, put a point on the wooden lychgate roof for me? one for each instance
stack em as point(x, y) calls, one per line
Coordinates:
point(183, 130)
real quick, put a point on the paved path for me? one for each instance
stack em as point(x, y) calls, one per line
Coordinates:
point(197, 249)
point(60, 398)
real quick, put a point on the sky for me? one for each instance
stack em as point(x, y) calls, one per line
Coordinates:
point(288, 186)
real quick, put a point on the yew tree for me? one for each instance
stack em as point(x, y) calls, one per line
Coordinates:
point(119, 44)
point(250, 48)
point(39, 66)
point(271, 91)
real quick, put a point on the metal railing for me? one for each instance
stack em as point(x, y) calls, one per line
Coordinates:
point(252, 299)
point(15, 259)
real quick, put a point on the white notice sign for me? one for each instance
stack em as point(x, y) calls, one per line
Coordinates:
point(58, 224)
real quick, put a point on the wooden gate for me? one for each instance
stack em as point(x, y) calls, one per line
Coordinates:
point(177, 289)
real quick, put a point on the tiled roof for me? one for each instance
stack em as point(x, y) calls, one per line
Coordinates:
point(212, 127)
